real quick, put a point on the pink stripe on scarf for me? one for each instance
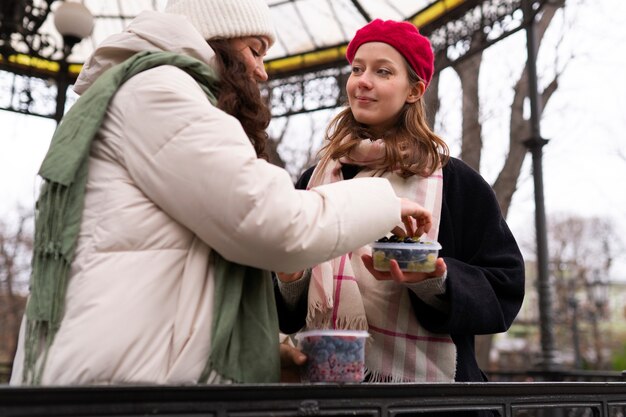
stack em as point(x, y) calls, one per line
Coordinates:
point(345, 278)
point(411, 336)
point(393, 310)
point(339, 278)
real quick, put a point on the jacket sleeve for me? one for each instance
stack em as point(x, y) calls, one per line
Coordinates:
point(485, 281)
point(197, 165)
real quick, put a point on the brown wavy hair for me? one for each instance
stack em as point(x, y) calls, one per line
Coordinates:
point(411, 147)
point(239, 95)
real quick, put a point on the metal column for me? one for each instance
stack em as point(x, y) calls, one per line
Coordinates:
point(535, 145)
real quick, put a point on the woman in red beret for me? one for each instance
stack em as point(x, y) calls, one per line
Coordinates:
point(422, 325)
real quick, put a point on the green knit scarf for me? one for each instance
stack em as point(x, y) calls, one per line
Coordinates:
point(244, 312)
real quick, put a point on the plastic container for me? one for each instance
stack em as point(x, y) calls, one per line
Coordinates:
point(411, 257)
point(333, 355)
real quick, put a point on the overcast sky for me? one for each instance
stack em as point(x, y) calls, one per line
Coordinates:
point(584, 162)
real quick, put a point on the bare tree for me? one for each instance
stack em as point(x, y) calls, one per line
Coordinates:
point(16, 244)
point(519, 131)
point(301, 153)
point(582, 253)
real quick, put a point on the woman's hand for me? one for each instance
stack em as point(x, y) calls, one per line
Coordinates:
point(417, 220)
point(291, 359)
point(399, 276)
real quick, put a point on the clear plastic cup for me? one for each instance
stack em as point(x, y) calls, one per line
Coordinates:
point(333, 355)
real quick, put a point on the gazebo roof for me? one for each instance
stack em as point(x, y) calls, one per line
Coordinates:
point(312, 36)
point(309, 32)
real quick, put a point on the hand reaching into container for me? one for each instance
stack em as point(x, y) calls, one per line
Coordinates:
point(417, 220)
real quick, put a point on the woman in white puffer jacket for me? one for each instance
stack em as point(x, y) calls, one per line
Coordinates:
point(174, 180)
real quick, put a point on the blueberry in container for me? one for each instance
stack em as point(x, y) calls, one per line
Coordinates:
point(333, 355)
point(412, 255)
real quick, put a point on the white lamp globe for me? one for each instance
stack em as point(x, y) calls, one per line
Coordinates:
point(74, 22)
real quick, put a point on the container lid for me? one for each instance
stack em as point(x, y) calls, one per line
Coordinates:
point(332, 332)
point(422, 244)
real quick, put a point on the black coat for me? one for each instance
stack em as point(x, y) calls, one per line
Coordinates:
point(485, 283)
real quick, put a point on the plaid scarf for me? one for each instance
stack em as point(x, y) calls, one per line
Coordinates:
point(243, 314)
point(344, 295)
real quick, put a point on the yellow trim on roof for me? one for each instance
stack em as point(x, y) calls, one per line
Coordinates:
point(75, 68)
point(309, 59)
point(24, 60)
point(435, 11)
point(306, 60)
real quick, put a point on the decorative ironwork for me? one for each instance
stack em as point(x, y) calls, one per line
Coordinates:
point(311, 91)
point(473, 30)
point(470, 29)
point(27, 95)
point(478, 28)
point(30, 95)
point(34, 72)
point(20, 24)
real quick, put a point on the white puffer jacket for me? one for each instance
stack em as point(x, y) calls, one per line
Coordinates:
point(170, 179)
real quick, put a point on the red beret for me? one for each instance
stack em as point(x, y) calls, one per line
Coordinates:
point(404, 37)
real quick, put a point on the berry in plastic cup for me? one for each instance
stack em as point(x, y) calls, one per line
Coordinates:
point(333, 355)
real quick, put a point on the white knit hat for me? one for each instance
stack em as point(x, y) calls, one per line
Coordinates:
point(225, 19)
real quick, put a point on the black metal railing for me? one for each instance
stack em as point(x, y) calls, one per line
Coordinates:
point(540, 399)
point(564, 393)
point(564, 375)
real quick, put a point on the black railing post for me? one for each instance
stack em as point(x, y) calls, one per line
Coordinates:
point(62, 85)
point(535, 145)
point(63, 77)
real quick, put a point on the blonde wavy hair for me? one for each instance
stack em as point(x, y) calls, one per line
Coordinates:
point(411, 147)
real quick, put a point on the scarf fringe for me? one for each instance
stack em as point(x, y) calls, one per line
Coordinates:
point(351, 323)
point(50, 270)
point(317, 316)
point(377, 376)
point(320, 317)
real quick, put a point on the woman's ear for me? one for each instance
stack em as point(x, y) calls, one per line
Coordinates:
point(416, 92)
